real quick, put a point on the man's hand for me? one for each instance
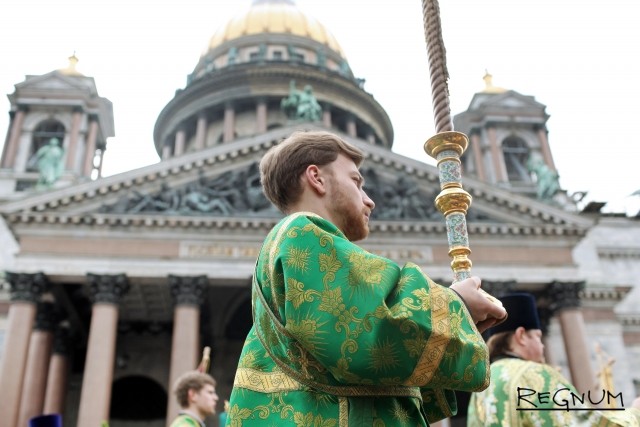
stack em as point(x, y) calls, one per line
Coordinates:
point(485, 314)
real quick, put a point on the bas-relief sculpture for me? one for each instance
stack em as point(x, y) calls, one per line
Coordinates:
point(239, 192)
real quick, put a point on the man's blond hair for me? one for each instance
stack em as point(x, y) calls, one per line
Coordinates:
point(282, 166)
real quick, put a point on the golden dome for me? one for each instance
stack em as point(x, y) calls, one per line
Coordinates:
point(275, 16)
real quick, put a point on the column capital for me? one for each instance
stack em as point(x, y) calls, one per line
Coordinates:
point(188, 290)
point(564, 295)
point(27, 287)
point(107, 288)
point(499, 288)
point(47, 316)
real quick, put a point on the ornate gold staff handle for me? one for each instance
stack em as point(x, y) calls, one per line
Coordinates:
point(446, 147)
point(453, 202)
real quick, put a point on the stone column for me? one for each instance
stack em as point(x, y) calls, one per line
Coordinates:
point(261, 116)
point(351, 127)
point(566, 303)
point(35, 377)
point(181, 136)
point(229, 124)
point(499, 168)
point(326, 115)
point(188, 293)
point(476, 146)
point(201, 131)
point(11, 146)
point(90, 152)
point(56, 392)
point(74, 137)
point(25, 291)
point(101, 160)
point(546, 150)
point(167, 150)
point(95, 397)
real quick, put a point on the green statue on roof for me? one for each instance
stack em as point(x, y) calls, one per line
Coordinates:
point(301, 104)
point(49, 159)
point(546, 178)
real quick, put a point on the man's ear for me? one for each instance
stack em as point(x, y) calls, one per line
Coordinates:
point(315, 179)
point(519, 335)
point(190, 394)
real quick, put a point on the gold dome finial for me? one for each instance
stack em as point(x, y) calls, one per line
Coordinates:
point(71, 68)
point(488, 82)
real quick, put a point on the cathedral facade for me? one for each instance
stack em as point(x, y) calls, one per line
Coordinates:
point(113, 285)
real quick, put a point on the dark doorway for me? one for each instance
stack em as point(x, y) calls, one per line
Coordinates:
point(137, 398)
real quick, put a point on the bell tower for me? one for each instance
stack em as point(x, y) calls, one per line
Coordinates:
point(57, 132)
point(508, 142)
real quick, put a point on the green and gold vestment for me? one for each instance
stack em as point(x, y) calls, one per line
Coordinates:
point(186, 420)
point(343, 337)
point(500, 406)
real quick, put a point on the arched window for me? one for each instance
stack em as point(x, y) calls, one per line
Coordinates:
point(137, 398)
point(42, 135)
point(516, 153)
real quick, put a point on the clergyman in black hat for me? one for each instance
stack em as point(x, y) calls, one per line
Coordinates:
point(524, 390)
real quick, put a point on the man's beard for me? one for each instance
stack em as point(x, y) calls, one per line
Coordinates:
point(356, 229)
point(352, 221)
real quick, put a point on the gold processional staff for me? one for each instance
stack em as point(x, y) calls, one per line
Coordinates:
point(446, 147)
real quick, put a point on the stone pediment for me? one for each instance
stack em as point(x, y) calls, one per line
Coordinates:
point(221, 185)
point(56, 81)
point(507, 100)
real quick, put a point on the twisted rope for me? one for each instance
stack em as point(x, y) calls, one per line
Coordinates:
point(437, 66)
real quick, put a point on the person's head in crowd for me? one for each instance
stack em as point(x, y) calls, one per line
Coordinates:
point(520, 335)
point(196, 393)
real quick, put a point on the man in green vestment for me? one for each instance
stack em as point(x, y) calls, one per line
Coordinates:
point(343, 337)
point(524, 391)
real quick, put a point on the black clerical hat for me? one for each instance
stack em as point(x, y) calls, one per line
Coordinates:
point(521, 310)
point(51, 420)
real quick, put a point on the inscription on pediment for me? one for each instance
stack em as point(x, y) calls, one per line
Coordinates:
point(211, 250)
point(216, 250)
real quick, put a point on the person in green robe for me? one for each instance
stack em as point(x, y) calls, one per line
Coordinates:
point(524, 391)
point(197, 397)
point(341, 336)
